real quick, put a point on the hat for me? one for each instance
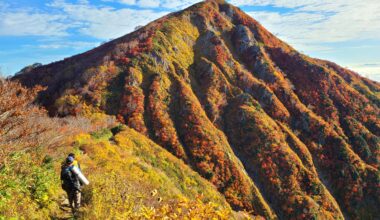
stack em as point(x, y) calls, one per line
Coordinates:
point(69, 160)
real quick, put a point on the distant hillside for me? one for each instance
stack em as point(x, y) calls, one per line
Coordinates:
point(276, 132)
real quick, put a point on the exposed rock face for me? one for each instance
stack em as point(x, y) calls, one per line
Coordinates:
point(277, 132)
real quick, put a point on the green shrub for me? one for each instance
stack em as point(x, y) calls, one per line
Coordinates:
point(104, 134)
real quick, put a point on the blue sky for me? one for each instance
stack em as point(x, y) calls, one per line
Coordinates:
point(344, 31)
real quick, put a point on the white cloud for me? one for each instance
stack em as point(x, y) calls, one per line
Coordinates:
point(21, 23)
point(148, 3)
point(105, 22)
point(309, 28)
point(101, 22)
point(127, 2)
point(130, 2)
point(321, 21)
point(309, 22)
point(369, 70)
point(177, 4)
point(167, 4)
point(284, 3)
point(68, 44)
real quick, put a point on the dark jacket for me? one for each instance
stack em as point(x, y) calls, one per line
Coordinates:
point(69, 179)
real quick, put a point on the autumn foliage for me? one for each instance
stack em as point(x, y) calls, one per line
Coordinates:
point(278, 133)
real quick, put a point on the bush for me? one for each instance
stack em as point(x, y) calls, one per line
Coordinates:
point(27, 188)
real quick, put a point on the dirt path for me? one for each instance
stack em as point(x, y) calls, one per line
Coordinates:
point(64, 211)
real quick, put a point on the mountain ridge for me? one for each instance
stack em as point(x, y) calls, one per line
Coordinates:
point(262, 122)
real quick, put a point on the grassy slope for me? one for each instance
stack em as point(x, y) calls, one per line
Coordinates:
point(123, 171)
point(126, 170)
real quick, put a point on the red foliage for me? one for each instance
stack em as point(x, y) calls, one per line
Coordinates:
point(162, 125)
point(221, 54)
point(207, 150)
point(132, 108)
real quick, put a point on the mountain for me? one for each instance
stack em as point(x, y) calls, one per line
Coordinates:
point(278, 133)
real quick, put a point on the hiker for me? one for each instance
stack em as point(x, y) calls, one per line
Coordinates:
point(71, 184)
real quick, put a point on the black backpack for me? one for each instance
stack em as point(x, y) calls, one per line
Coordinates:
point(69, 180)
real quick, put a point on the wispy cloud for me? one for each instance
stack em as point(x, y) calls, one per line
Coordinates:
point(371, 71)
point(320, 21)
point(288, 3)
point(67, 44)
point(104, 22)
point(167, 4)
point(371, 65)
point(26, 22)
point(314, 21)
point(100, 22)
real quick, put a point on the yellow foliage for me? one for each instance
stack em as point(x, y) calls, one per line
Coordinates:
point(124, 173)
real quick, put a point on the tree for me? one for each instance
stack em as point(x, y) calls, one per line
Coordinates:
point(24, 125)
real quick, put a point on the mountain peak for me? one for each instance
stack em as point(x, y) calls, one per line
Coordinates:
point(277, 132)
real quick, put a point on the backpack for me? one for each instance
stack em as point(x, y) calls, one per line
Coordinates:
point(68, 178)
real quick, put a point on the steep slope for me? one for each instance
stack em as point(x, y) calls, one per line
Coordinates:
point(277, 132)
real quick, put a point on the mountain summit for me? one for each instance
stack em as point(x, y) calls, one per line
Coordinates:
point(276, 132)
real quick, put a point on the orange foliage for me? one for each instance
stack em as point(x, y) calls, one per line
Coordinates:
point(162, 125)
point(132, 108)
